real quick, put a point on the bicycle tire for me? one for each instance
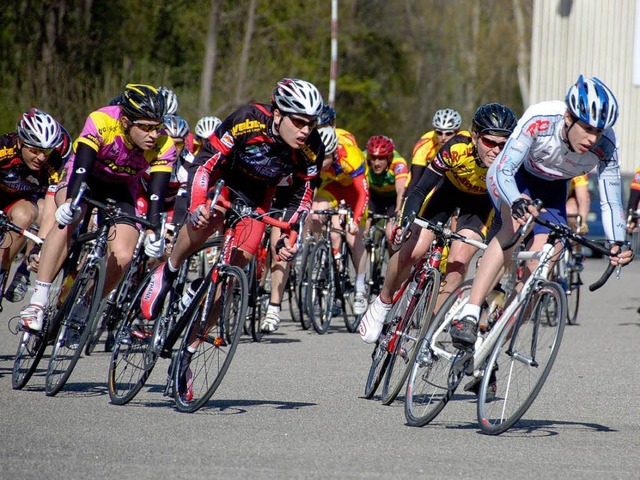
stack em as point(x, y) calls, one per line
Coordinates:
point(133, 356)
point(321, 287)
point(517, 373)
point(262, 298)
point(79, 313)
point(573, 298)
point(207, 358)
point(31, 345)
point(302, 287)
point(381, 355)
point(414, 328)
point(347, 291)
point(105, 311)
point(429, 386)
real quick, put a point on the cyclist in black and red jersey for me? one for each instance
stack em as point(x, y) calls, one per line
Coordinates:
point(253, 150)
point(31, 159)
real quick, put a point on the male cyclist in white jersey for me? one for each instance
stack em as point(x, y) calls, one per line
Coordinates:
point(552, 143)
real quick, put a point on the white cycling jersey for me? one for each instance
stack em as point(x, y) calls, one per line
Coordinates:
point(537, 145)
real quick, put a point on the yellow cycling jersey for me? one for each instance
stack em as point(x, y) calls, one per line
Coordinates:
point(346, 138)
point(348, 163)
point(458, 161)
point(427, 148)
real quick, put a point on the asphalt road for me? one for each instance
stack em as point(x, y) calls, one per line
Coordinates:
point(293, 407)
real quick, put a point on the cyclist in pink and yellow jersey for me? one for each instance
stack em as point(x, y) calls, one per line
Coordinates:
point(117, 144)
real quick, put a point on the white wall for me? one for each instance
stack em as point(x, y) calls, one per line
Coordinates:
point(596, 39)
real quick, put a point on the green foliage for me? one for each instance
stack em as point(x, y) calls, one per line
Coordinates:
point(398, 61)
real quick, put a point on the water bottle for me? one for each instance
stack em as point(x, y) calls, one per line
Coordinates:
point(189, 293)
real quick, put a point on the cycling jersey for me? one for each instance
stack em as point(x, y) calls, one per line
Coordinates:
point(103, 153)
point(17, 180)
point(579, 181)
point(383, 185)
point(253, 160)
point(537, 146)
point(345, 180)
point(346, 138)
point(458, 163)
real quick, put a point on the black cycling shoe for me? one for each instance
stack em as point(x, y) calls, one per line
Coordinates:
point(464, 333)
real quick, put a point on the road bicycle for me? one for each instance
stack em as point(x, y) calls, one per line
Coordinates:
point(331, 277)
point(410, 316)
point(79, 310)
point(377, 249)
point(567, 270)
point(211, 318)
point(517, 349)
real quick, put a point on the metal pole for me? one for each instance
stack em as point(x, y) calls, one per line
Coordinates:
point(334, 52)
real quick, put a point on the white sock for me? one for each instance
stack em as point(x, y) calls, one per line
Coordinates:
point(273, 309)
point(360, 282)
point(40, 293)
point(473, 310)
point(171, 267)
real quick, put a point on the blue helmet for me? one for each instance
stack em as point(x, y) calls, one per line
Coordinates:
point(591, 101)
point(176, 126)
point(327, 116)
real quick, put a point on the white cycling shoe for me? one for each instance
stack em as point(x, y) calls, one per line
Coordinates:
point(373, 320)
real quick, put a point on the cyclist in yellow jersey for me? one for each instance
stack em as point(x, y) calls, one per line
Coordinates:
point(578, 203)
point(446, 123)
point(387, 175)
point(343, 178)
point(457, 177)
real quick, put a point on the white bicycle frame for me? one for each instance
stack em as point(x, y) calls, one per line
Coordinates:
point(484, 345)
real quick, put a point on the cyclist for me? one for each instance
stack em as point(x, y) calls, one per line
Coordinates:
point(116, 145)
point(578, 203)
point(279, 268)
point(457, 178)
point(205, 127)
point(253, 149)
point(446, 123)
point(387, 175)
point(30, 160)
point(552, 143)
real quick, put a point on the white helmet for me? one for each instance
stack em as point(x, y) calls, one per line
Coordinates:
point(170, 100)
point(292, 95)
point(39, 129)
point(206, 126)
point(447, 119)
point(329, 138)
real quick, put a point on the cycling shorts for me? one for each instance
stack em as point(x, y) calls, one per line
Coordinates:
point(334, 193)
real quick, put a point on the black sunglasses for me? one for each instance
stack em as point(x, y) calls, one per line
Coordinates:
point(300, 123)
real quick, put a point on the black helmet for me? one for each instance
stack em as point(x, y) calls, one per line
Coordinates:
point(494, 119)
point(142, 101)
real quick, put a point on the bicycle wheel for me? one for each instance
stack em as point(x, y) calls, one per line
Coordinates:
point(321, 287)
point(348, 293)
point(414, 326)
point(429, 387)
point(522, 359)
point(381, 354)
point(262, 297)
point(79, 311)
point(203, 371)
point(31, 345)
point(134, 354)
point(573, 298)
point(302, 288)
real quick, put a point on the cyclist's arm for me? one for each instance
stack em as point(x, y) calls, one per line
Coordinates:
point(416, 173)
point(158, 184)
point(82, 168)
point(613, 220)
point(206, 161)
point(362, 192)
point(583, 199)
point(424, 185)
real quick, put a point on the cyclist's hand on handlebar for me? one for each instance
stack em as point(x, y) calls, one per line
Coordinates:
point(66, 214)
point(352, 227)
point(153, 246)
point(284, 250)
point(621, 257)
point(199, 217)
point(521, 209)
point(583, 229)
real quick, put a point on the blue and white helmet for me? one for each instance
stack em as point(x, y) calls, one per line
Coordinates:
point(591, 101)
point(176, 126)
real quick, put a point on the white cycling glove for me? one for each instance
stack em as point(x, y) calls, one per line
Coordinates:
point(153, 247)
point(66, 214)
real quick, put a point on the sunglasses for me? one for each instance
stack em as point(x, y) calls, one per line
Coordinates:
point(442, 133)
point(37, 151)
point(490, 144)
point(148, 128)
point(300, 123)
